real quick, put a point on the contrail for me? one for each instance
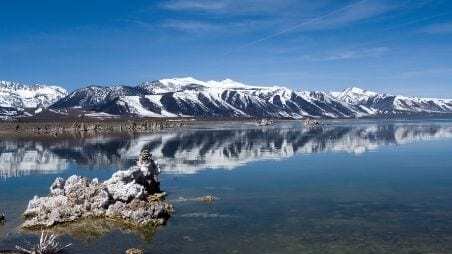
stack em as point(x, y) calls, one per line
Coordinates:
point(364, 44)
point(292, 28)
point(330, 14)
point(415, 21)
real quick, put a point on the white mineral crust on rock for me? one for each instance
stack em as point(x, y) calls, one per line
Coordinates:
point(126, 195)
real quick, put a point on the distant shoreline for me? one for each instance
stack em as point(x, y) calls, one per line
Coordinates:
point(89, 126)
point(81, 127)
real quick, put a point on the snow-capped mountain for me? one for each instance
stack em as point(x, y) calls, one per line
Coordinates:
point(16, 97)
point(188, 97)
point(92, 97)
point(191, 97)
point(354, 95)
point(383, 104)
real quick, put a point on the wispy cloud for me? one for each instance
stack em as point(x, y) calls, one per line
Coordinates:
point(427, 72)
point(194, 5)
point(442, 28)
point(198, 27)
point(191, 26)
point(353, 54)
point(229, 6)
point(349, 14)
point(346, 15)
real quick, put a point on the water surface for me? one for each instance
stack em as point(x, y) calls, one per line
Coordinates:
point(350, 187)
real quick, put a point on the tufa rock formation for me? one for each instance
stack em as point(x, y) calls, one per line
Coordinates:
point(131, 195)
point(134, 251)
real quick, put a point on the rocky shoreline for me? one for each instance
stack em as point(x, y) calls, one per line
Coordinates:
point(86, 127)
point(132, 196)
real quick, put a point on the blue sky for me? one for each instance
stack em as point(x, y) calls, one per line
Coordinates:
point(402, 46)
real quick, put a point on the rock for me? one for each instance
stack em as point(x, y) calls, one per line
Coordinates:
point(57, 187)
point(187, 238)
point(128, 185)
point(130, 195)
point(2, 218)
point(207, 199)
point(134, 251)
point(145, 156)
point(157, 196)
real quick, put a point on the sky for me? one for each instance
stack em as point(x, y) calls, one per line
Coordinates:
point(402, 47)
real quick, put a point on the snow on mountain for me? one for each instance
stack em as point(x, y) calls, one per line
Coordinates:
point(19, 95)
point(429, 105)
point(182, 97)
point(228, 98)
point(189, 97)
point(189, 83)
point(354, 95)
point(93, 96)
point(16, 97)
point(382, 104)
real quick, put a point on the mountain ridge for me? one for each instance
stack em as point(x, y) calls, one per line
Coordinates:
point(189, 97)
point(16, 98)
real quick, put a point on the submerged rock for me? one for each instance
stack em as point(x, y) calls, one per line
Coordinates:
point(132, 195)
point(207, 199)
point(134, 251)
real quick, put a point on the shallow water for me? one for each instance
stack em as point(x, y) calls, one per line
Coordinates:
point(350, 187)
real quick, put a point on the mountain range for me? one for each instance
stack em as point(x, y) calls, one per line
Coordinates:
point(22, 100)
point(188, 97)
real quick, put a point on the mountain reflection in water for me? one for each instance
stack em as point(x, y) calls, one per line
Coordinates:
point(191, 150)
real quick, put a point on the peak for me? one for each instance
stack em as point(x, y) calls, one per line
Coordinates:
point(10, 85)
point(353, 95)
point(226, 83)
point(181, 81)
point(357, 90)
point(171, 84)
point(230, 81)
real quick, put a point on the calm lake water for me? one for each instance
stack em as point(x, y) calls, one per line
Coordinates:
point(350, 187)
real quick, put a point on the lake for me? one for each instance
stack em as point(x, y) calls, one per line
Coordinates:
point(348, 187)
